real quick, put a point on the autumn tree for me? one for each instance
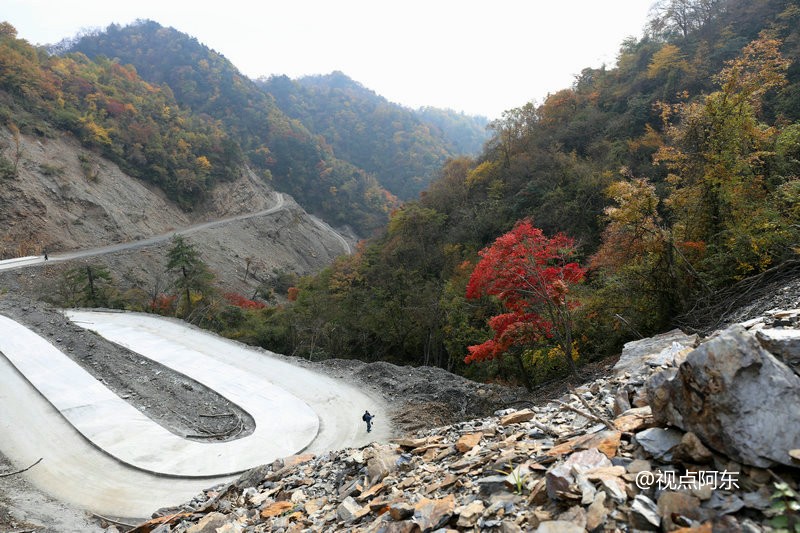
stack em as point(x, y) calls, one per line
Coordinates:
point(531, 275)
point(644, 274)
point(718, 156)
point(193, 275)
point(725, 210)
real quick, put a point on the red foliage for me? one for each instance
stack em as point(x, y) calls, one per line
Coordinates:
point(292, 294)
point(163, 304)
point(240, 301)
point(529, 273)
point(510, 329)
point(114, 107)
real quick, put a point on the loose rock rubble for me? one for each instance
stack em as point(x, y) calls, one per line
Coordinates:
point(663, 445)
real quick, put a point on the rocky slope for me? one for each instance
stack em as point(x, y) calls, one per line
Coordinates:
point(671, 442)
point(590, 460)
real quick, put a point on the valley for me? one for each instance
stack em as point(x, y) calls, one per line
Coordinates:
point(205, 279)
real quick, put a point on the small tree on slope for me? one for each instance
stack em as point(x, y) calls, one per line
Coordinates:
point(194, 276)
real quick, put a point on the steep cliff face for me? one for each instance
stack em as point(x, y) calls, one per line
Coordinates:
point(65, 198)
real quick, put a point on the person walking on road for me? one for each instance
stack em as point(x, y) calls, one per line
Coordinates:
point(366, 417)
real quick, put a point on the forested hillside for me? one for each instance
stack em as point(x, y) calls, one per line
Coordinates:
point(618, 207)
point(280, 149)
point(403, 149)
point(464, 133)
point(672, 176)
point(107, 106)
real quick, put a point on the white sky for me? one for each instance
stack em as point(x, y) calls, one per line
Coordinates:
point(480, 57)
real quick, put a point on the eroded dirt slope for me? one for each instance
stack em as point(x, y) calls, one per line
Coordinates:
point(66, 198)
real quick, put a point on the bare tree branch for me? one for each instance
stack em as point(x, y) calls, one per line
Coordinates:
point(23, 470)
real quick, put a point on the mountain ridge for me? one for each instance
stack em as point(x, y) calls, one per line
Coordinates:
point(404, 148)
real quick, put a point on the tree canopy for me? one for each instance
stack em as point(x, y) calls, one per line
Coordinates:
point(403, 149)
point(675, 172)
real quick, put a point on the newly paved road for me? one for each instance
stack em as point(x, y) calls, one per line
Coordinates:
point(99, 452)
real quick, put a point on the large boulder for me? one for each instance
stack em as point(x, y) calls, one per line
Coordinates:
point(654, 351)
point(735, 396)
point(783, 343)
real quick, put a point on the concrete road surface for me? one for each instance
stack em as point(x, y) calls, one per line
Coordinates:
point(99, 452)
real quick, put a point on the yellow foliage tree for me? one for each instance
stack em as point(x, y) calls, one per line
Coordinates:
point(666, 60)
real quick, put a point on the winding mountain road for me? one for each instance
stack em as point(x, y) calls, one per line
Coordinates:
point(280, 204)
point(102, 454)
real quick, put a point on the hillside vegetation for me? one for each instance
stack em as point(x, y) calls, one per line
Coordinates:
point(280, 149)
point(402, 148)
point(139, 126)
point(615, 208)
point(343, 153)
point(180, 116)
point(675, 174)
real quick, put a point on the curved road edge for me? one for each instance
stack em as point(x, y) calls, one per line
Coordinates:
point(75, 471)
point(116, 427)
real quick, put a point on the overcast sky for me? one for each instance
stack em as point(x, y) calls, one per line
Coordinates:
point(480, 57)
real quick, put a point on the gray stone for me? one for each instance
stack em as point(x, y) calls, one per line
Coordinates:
point(638, 465)
point(597, 512)
point(736, 397)
point(725, 503)
point(783, 343)
point(672, 505)
point(381, 460)
point(621, 402)
point(510, 527)
point(468, 515)
point(659, 442)
point(587, 488)
point(692, 450)
point(615, 488)
point(401, 510)
point(576, 515)
point(761, 499)
point(637, 354)
point(492, 484)
point(559, 526)
point(209, 523)
point(560, 477)
point(672, 355)
point(644, 513)
point(348, 509)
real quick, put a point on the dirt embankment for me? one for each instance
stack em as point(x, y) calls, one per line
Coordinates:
point(67, 198)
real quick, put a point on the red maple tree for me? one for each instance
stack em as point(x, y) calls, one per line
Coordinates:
point(240, 301)
point(531, 275)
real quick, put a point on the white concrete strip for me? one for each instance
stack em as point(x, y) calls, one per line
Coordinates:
point(19, 262)
point(189, 350)
point(72, 469)
point(76, 471)
point(284, 424)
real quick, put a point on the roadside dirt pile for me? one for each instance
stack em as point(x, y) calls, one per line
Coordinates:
point(424, 397)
